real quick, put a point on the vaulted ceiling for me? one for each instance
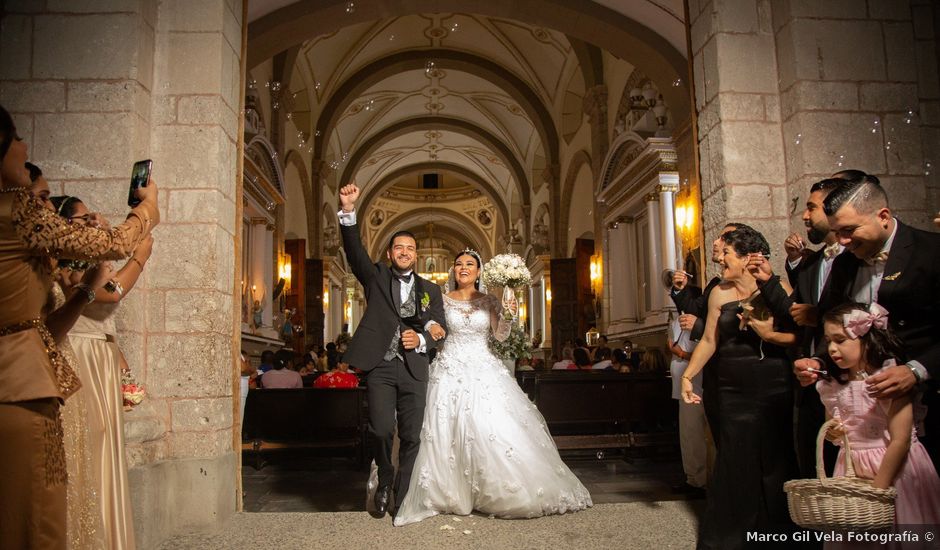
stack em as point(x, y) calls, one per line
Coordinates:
point(383, 93)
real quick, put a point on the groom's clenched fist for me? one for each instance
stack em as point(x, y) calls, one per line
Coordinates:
point(348, 196)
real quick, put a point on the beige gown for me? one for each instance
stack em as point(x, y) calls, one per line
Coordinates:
point(99, 504)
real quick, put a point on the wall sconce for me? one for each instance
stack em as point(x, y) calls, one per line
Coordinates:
point(659, 111)
point(523, 313)
point(548, 295)
point(347, 312)
point(596, 268)
point(326, 297)
point(284, 269)
point(685, 218)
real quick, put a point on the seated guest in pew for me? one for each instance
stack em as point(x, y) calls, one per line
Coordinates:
point(619, 361)
point(267, 361)
point(600, 349)
point(524, 363)
point(566, 360)
point(281, 377)
point(309, 366)
point(582, 360)
point(538, 364)
point(602, 358)
point(338, 378)
point(653, 361)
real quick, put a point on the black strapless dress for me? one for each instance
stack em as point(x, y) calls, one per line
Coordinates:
point(755, 438)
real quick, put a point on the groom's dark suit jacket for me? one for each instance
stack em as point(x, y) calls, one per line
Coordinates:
point(910, 291)
point(381, 319)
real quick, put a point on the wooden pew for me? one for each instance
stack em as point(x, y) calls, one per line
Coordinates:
point(605, 410)
point(305, 418)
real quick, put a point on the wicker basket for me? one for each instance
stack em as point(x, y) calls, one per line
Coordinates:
point(846, 502)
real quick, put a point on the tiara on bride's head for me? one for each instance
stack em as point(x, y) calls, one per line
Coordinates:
point(471, 252)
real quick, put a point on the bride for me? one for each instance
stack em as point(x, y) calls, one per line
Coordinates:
point(484, 445)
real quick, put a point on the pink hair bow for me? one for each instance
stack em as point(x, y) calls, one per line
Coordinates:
point(858, 322)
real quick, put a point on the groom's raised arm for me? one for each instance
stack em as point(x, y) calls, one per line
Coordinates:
point(362, 266)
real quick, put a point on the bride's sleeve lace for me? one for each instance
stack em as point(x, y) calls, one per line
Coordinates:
point(499, 326)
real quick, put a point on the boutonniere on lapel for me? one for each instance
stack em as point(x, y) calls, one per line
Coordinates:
point(893, 276)
point(425, 302)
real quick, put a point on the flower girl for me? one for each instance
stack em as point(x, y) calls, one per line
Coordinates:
point(884, 443)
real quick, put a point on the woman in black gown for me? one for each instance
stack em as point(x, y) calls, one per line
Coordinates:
point(755, 450)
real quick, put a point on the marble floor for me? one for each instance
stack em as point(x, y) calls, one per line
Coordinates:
point(297, 483)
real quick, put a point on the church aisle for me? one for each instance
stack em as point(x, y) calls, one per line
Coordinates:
point(323, 484)
point(639, 525)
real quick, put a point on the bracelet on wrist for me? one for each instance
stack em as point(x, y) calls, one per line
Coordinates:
point(89, 292)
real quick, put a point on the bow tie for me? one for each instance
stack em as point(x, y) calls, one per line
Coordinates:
point(831, 250)
point(878, 258)
point(405, 278)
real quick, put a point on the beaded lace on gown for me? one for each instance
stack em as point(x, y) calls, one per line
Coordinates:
point(484, 445)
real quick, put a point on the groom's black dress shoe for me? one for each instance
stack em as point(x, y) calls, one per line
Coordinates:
point(381, 499)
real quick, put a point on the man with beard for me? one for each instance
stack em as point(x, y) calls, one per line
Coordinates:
point(898, 267)
point(404, 318)
point(809, 274)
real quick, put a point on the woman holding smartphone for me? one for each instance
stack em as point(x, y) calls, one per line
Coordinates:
point(35, 378)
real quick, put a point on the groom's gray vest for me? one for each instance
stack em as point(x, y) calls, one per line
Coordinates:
point(407, 309)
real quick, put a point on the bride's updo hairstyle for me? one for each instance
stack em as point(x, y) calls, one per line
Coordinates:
point(476, 256)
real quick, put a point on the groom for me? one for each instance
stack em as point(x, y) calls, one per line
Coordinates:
point(403, 316)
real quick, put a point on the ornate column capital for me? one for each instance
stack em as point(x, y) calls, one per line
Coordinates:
point(594, 103)
point(651, 197)
point(667, 188)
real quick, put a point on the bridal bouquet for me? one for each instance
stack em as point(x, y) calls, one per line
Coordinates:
point(506, 270)
point(516, 346)
point(132, 392)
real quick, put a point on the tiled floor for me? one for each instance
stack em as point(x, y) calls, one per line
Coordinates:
point(296, 483)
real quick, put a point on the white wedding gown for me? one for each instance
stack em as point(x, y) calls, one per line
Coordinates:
point(484, 445)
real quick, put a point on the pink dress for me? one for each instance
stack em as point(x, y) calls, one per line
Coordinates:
point(866, 422)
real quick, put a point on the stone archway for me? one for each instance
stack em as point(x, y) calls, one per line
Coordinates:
point(486, 187)
point(380, 69)
point(419, 124)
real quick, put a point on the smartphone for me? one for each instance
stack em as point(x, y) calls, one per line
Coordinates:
point(140, 175)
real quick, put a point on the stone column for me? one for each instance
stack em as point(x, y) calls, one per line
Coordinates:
point(668, 187)
point(735, 75)
point(859, 89)
point(616, 275)
point(546, 303)
point(655, 260)
point(551, 176)
point(95, 86)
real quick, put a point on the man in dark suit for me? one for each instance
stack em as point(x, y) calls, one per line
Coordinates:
point(898, 267)
point(809, 274)
point(404, 318)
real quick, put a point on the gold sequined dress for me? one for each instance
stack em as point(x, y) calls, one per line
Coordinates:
point(94, 425)
point(34, 376)
point(85, 529)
